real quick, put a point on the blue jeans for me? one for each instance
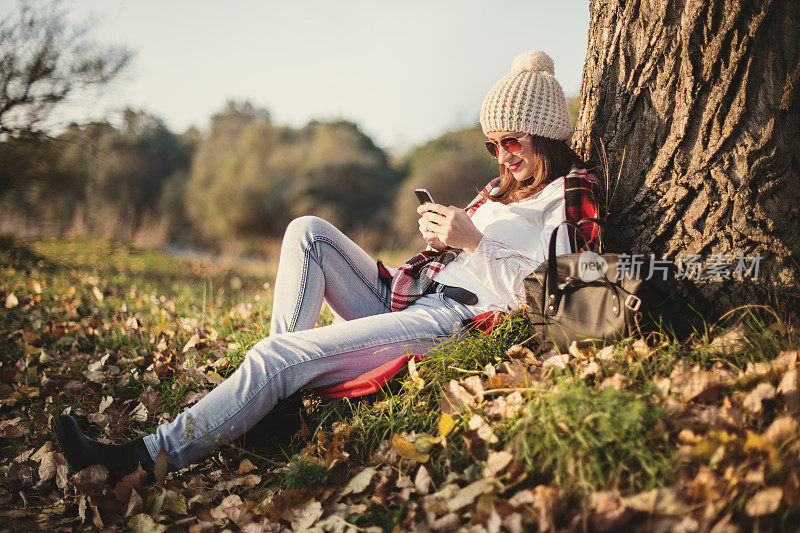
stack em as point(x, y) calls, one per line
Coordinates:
point(317, 261)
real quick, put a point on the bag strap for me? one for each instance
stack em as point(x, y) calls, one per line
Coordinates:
point(552, 272)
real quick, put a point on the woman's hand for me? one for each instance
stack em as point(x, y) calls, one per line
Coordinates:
point(448, 226)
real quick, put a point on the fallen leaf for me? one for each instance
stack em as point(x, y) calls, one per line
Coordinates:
point(97, 365)
point(11, 301)
point(175, 503)
point(460, 394)
point(193, 397)
point(788, 389)
point(97, 294)
point(578, 353)
point(606, 353)
point(124, 486)
point(135, 504)
point(160, 466)
point(105, 403)
point(249, 481)
point(641, 349)
point(591, 369)
point(690, 385)
point(483, 428)
point(360, 482)
point(422, 480)
point(468, 494)
point(139, 413)
point(446, 424)
point(90, 478)
point(303, 516)
point(557, 361)
point(448, 522)
point(474, 386)
point(424, 443)
point(245, 466)
point(49, 466)
point(476, 446)
point(214, 378)
point(13, 429)
point(657, 501)
point(607, 512)
point(231, 508)
point(731, 340)
point(763, 391)
point(496, 462)
point(509, 406)
point(616, 382)
point(726, 416)
point(150, 399)
point(144, 523)
point(46, 447)
point(407, 449)
point(763, 502)
point(782, 429)
point(782, 363)
point(191, 343)
point(517, 351)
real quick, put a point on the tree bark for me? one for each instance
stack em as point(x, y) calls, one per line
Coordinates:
point(696, 104)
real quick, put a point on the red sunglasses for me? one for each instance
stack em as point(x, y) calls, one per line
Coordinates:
point(511, 145)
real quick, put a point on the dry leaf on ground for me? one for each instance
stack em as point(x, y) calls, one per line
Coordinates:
point(607, 511)
point(690, 385)
point(788, 389)
point(360, 482)
point(753, 401)
point(763, 502)
point(657, 501)
point(470, 493)
point(407, 449)
point(782, 429)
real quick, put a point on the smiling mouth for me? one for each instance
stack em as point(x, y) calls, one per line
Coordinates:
point(515, 166)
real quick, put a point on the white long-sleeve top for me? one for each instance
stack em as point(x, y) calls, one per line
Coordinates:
point(515, 241)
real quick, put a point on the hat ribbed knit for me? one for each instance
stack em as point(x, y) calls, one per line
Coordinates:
point(528, 100)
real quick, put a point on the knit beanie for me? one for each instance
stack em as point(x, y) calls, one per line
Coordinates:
point(528, 100)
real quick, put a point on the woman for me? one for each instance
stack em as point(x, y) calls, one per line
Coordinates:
point(476, 261)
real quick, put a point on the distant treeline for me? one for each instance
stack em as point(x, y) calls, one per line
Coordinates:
point(233, 187)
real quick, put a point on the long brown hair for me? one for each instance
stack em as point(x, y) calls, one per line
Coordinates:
point(551, 160)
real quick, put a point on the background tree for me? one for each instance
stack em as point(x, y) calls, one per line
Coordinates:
point(702, 98)
point(46, 60)
point(250, 177)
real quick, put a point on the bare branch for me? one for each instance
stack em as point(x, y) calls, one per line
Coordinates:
point(44, 61)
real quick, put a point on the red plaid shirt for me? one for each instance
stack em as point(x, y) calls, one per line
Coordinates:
point(415, 277)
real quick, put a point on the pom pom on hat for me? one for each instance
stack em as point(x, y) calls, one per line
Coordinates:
point(528, 100)
point(534, 61)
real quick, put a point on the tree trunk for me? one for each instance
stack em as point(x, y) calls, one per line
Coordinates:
point(697, 105)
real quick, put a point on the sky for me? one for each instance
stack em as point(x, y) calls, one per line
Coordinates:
point(406, 72)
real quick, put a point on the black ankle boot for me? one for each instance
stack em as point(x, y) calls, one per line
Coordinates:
point(81, 451)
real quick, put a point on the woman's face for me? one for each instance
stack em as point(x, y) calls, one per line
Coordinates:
point(520, 165)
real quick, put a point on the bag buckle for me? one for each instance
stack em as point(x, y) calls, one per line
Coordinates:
point(633, 302)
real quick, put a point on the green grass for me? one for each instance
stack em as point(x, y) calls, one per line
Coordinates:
point(81, 300)
point(581, 439)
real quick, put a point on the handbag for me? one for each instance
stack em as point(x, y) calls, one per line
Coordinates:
point(588, 297)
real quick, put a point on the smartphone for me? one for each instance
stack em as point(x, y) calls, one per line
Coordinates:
point(423, 195)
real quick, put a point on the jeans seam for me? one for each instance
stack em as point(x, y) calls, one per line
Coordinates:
point(358, 272)
point(299, 304)
point(237, 410)
point(306, 253)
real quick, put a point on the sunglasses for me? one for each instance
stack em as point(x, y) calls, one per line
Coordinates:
point(511, 145)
